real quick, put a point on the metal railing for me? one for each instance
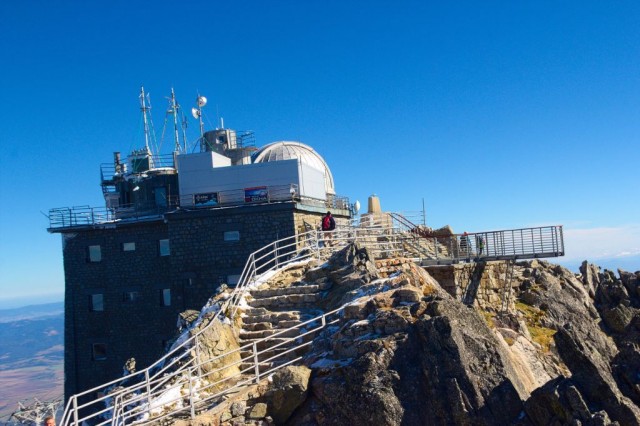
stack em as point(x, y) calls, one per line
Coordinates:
point(64, 217)
point(183, 381)
point(509, 244)
point(276, 255)
point(179, 361)
point(109, 170)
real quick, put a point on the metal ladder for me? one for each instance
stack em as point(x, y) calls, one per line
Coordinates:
point(506, 289)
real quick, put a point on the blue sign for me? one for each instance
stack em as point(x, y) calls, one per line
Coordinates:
point(259, 193)
point(207, 199)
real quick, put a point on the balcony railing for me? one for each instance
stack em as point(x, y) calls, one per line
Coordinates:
point(65, 217)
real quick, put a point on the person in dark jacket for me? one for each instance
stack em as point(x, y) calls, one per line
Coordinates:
point(328, 225)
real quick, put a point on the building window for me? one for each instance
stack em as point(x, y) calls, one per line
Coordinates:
point(99, 351)
point(95, 254)
point(161, 196)
point(131, 296)
point(96, 302)
point(128, 246)
point(165, 248)
point(165, 297)
point(232, 236)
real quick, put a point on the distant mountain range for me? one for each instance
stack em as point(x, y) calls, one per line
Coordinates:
point(31, 354)
point(626, 263)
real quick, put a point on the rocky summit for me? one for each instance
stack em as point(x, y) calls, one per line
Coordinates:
point(545, 347)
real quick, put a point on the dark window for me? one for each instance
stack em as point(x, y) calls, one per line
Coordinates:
point(96, 302)
point(99, 351)
point(161, 196)
point(131, 296)
point(165, 297)
point(165, 248)
point(129, 246)
point(232, 236)
point(95, 254)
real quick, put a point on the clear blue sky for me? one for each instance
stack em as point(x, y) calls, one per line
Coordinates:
point(498, 114)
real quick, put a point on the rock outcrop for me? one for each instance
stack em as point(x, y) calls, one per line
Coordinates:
point(406, 350)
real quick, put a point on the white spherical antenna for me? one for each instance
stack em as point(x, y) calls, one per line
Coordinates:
point(356, 206)
point(195, 113)
point(202, 101)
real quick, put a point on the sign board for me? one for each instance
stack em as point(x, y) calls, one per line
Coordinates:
point(206, 199)
point(258, 193)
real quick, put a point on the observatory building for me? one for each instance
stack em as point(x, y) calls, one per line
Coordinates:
point(173, 229)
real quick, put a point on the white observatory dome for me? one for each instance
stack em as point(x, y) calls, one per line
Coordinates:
point(287, 150)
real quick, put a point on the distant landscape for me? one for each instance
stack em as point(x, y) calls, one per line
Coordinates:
point(31, 355)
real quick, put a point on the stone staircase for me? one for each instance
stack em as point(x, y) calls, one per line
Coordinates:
point(273, 309)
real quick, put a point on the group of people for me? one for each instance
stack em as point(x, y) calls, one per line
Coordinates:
point(466, 247)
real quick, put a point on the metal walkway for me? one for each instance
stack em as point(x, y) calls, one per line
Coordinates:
point(510, 244)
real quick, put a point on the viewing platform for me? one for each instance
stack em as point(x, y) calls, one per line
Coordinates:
point(508, 244)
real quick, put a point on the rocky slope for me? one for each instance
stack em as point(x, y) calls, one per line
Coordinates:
point(408, 352)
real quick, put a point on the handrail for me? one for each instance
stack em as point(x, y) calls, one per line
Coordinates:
point(382, 241)
point(67, 217)
point(281, 258)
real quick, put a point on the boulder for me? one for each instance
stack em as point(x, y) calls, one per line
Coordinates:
point(217, 339)
point(287, 392)
point(559, 402)
point(590, 365)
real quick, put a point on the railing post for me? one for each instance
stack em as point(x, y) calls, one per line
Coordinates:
point(197, 343)
point(146, 378)
point(75, 410)
point(193, 408)
point(256, 365)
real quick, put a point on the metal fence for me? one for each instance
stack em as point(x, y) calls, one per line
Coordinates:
point(64, 217)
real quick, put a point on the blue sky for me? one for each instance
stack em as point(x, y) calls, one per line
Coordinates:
point(498, 114)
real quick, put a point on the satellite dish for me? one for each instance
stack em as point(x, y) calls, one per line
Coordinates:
point(195, 113)
point(356, 206)
point(202, 101)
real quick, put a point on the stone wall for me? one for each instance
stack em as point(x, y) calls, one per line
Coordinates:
point(122, 324)
point(207, 248)
point(456, 278)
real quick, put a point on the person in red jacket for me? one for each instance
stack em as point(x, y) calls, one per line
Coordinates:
point(328, 225)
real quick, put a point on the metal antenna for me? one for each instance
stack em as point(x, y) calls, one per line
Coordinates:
point(144, 109)
point(184, 131)
point(197, 113)
point(174, 108)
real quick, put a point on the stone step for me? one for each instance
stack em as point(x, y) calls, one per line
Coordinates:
point(296, 289)
point(268, 343)
point(264, 355)
point(261, 334)
point(285, 301)
point(272, 317)
point(287, 324)
point(258, 326)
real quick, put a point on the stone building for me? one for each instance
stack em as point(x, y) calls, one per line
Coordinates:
point(173, 230)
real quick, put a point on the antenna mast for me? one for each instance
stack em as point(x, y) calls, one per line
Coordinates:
point(174, 108)
point(197, 113)
point(144, 108)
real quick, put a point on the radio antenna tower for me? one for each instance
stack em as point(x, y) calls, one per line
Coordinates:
point(36, 412)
